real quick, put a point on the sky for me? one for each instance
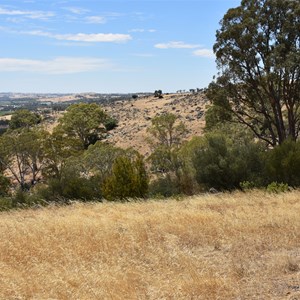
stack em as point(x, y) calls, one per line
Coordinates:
point(122, 46)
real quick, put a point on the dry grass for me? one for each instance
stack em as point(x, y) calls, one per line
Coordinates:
point(231, 246)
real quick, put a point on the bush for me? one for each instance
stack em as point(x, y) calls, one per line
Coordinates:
point(20, 198)
point(223, 163)
point(247, 185)
point(128, 179)
point(6, 203)
point(110, 124)
point(72, 182)
point(4, 186)
point(163, 187)
point(276, 188)
point(283, 163)
point(71, 187)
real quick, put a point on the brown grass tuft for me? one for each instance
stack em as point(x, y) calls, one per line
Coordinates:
point(228, 246)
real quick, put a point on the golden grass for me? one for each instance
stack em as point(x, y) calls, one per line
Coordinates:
point(228, 246)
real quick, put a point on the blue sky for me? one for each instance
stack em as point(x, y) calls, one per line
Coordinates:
point(108, 46)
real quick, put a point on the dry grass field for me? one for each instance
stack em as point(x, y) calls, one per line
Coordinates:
point(225, 246)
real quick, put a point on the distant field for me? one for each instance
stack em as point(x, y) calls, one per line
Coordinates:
point(5, 113)
point(228, 246)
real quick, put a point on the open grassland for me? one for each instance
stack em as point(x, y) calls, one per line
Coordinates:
point(227, 246)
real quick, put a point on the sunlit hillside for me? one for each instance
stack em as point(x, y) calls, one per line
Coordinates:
point(134, 117)
point(224, 246)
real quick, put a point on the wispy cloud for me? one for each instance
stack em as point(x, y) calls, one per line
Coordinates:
point(31, 14)
point(77, 10)
point(204, 53)
point(142, 30)
point(176, 45)
point(59, 65)
point(95, 20)
point(84, 37)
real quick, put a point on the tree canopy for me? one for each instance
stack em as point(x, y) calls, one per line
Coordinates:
point(24, 118)
point(85, 122)
point(258, 53)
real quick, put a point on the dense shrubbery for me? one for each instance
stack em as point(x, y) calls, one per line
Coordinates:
point(223, 163)
point(283, 163)
point(128, 179)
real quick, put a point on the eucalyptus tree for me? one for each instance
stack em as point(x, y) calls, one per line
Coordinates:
point(84, 122)
point(22, 154)
point(258, 54)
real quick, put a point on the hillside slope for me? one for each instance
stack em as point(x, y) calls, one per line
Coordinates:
point(135, 116)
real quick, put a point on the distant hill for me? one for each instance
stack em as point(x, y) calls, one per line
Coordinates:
point(134, 117)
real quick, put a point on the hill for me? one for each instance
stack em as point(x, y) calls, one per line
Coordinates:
point(226, 246)
point(134, 116)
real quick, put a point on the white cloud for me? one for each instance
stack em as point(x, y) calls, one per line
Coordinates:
point(34, 14)
point(204, 53)
point(176, 45)
point(95, 20)
point(59, 65)
point(84, 37)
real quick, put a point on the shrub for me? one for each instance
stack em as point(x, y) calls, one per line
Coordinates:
point(4, 185)
point(128, 179)
point(276, 188)
point(247, 185)
point(20, 198)
point(163, 187)
point(110, 123)
point(283, 163)
point(223, 163)
point(6, 203)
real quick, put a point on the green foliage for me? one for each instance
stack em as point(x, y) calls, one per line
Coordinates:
point(20, 198)
point(161, 160)
point(283, 163)
point(158, 94)
point(58, 148)
point(164, 187)
point(100, 157)
point(6, 203)
point(84, 122)
point(128, 180)
point(220, 112)
point(257, 50)
point(167, 131)
point(24, 118)
point(276, 187)
point(166, 137)
point(74, 182)
point(4, 185)
point(110, 123)
point(247, 185)
point(22, 153)
point(223, 163)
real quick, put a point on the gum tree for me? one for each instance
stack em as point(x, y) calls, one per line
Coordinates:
point(258, 54)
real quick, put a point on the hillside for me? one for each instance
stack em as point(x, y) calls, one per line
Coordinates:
point(135, 116)
point(227, 246)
